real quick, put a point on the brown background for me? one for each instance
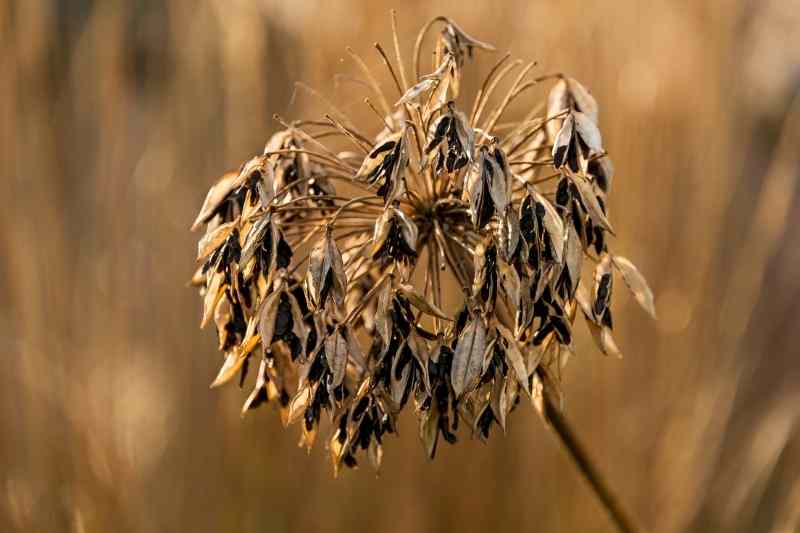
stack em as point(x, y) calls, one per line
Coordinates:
point(115, 116)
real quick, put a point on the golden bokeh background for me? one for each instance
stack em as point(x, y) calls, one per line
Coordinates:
point(116, 115)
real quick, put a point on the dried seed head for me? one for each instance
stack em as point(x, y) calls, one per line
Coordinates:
point(298, 272)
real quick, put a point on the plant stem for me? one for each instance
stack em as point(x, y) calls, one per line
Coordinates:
point(579, 455)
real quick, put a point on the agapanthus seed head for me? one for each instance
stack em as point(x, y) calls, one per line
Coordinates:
point(439, 262)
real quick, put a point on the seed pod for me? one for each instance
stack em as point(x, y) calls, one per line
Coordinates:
point(486, 188)
point(217, 195)
point(385, 166)
point(468, 356)
point(484, 286)
point(603, 281)
point(395, 236)
point(636, 283)
point(451, 142)
point(576, 143)
point(326, 276)
point(457, 42)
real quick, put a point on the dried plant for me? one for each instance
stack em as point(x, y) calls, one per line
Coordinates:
point(441, 261)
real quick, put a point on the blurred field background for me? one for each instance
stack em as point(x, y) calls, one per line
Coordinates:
point(115, 116)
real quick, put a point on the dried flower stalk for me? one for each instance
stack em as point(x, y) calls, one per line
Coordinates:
point(329, 268)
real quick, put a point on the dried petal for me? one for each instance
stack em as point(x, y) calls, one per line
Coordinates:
point(259, 394)
point(512, 286)
point(429, 431)
point(468, 357)
point(636, 283)
point(375, 454)
point(418, 301)
point(508, 234)
point(415, 91)
point(573, 256)
point(582, 99)
point(233, 363)
point(589, 198)
point(554, 227)
point(263, 232)
point(588, 131)
point(334, 260)
point(603, 282)
point(499, 187)
point(217, 194)
point(214, 291)
point(336, 354)
point(514, 356)
point(383, 227)
point(408, 228)
point(563, 141)
point(602, 171)
point(267, 316)
point(213, 239)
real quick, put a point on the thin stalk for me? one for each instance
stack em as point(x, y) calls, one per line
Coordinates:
point(460, 276)
point(534, 131)
point(418, 43)
point(304, 135)
point(400, 65)
point(434, 252)
point(539, 148)
point(322, 157)
point(308, 197)
point(378, 114)
point(367, 297)
point(528, 121)
point(358, 200)
point(388, 64)
point(297, 209)
point(486, 81)
point(492, 86)
point(334, 110)
point(362, 145)
point(371, 79)
point(577, 452)
point(512, 93)
point(551, 412)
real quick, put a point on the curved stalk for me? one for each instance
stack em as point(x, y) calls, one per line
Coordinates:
point(577, 452)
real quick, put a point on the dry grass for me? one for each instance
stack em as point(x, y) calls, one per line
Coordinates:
point(115, 118)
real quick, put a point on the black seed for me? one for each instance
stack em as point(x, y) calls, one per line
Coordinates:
point(563, 195)
point(485, 422)
point(527, 220)
point(599, 240)
point(361, 407)
point(560, 156)
point(603, 292)
point(388, 145)
point(284, 398)
point(283, 320)
point(606, 321)
point(308, 417)
point(541, 333)
point(284, 254)
point(562, 329)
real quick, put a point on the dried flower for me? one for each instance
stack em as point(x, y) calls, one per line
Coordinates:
point(311, 254)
